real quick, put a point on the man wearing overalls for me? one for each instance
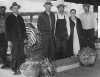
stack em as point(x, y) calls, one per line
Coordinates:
point(62, 32)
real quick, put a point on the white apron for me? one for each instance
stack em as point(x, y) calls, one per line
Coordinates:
point(76, 44)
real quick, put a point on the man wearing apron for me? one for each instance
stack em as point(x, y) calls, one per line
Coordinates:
point(62, 33)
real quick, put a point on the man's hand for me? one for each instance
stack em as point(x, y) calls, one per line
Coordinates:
point(68, 37)
point(9, 47)
point(9, 43)
point(26, 41)
point(95, 33)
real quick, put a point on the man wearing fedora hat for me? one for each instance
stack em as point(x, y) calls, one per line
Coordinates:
point(3, 41)
point(62, 32)
point(16, 34)
point(46, 22)
point(88, 26)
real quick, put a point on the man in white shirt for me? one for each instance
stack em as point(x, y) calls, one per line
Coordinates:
point(88, 25)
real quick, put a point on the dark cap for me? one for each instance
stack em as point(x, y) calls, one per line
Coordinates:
point(86, 5)
point(48, 3)
point(14, 4)
point(3, 7)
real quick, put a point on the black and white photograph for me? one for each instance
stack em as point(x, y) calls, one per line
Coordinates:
point(49, 38)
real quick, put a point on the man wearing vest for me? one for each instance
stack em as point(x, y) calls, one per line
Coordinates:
point(46, 23)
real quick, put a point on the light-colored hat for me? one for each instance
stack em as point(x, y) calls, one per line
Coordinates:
point(60, 4)
point(15, 4)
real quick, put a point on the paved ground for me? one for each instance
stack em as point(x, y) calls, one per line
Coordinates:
point(8, 73)
point(63, 64)
point(73, 70)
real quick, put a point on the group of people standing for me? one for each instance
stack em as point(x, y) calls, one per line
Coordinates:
point(64, 36)
point(61, 35)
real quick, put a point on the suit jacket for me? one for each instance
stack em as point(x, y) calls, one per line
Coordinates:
point(44, 23)
point(15, 28)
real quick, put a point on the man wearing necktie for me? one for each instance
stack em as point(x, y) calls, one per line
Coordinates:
point(46, 22)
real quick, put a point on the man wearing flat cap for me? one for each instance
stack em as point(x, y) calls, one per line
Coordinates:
point(3, 41)
point(46, 22)
point(88, 26)
point(62, 32)
point(16, 34)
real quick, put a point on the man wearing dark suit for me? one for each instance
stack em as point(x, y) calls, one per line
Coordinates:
point(46, 23)
point(16, 33)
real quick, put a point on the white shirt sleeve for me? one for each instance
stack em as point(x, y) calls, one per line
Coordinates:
point(95, 22)
point(68, 24)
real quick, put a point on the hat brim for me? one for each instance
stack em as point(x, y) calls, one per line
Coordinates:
point(3, 7)
point(48, 4)
point(61, 5)
point(86, 5)
point(16, 5)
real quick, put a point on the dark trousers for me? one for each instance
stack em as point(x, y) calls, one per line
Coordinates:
point(88, 38)
point(18, 56)
point(3, 49)
point(48, 47)
point(61, 48)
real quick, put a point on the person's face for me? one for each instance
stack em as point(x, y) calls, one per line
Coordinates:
point(61, 9)
point(48, 8)
point(86, 8)
point(73, 13)
point(2, 10)
point(15, 9)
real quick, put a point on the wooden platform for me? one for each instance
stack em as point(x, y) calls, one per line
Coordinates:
point(82, 71)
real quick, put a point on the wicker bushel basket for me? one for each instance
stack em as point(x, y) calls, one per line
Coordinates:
point(87, 56)
point(37, 68)
point(30, 69)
